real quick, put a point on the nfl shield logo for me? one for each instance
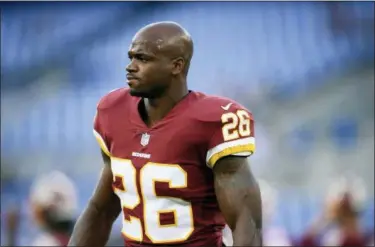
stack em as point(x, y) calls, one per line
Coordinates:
point(145, 139)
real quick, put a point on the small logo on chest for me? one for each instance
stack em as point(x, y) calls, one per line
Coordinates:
point(145, 139)
point(141, 155)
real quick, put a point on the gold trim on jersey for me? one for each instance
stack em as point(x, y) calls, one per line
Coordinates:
point(101, 142)
point(239, 147)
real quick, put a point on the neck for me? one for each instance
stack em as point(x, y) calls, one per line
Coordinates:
point(157, 108)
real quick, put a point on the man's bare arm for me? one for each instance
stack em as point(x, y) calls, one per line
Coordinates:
point(239, 199)
point(94, 225)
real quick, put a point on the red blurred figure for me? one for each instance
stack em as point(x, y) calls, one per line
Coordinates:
point(339, 224)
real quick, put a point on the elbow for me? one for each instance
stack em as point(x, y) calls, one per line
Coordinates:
point(95, 206)
point(247, 212)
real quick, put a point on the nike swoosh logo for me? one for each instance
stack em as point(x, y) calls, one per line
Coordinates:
point(226, 108)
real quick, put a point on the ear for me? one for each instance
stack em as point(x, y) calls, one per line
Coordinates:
point(178, 65)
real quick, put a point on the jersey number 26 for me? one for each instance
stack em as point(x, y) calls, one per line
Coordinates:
point(135, 226)
point(235, 125)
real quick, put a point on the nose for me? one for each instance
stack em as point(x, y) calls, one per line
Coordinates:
point(131, 68)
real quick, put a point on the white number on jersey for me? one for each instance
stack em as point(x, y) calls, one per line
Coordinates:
point(235, 125)
point(153, 205)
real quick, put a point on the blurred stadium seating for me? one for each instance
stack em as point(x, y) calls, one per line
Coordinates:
point(304, 69)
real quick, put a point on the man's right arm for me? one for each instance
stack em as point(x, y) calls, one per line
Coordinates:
point(94, 225)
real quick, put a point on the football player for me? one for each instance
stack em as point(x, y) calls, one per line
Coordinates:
point(53, 205)
point(175, 160)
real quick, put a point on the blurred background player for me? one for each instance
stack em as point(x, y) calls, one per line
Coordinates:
point(53, 205)
point(273, 235)
point(339, 222)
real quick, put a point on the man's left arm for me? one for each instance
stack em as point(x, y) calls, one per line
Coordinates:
point(239, 199)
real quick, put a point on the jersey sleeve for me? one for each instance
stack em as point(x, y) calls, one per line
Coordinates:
point(233, 134)
point(99, 133)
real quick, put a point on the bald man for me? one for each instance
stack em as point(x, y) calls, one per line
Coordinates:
point(175, 160)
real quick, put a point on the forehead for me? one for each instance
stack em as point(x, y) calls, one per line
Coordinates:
point(146, 46)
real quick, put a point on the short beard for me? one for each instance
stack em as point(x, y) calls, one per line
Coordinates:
point(156, 92)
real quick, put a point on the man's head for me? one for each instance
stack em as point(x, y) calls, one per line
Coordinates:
point(160, 55)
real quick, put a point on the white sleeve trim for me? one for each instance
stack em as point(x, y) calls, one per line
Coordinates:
point(239, 142)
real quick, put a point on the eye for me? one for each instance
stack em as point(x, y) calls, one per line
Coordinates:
point(142, 58)
point(139, 57)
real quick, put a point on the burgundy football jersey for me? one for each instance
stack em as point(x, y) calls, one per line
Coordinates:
point(162, 174)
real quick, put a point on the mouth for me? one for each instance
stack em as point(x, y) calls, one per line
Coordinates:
point(131, 80)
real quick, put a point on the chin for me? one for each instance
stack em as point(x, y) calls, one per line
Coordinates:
point(137, 93)
point(145, 94)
